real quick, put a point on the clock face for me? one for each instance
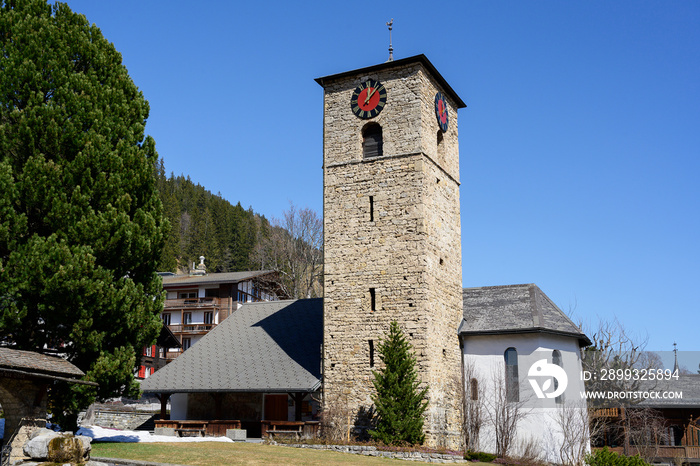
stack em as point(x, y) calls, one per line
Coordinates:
point(441, 111)
point(368, 99)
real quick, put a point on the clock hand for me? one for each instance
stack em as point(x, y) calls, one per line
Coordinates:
point(370, 94)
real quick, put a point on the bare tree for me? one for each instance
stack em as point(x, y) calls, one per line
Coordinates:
point(472, 406)
point(504, 414)
point(614, 349)
point(294, 247)
point(575, 425)
point(647, 431)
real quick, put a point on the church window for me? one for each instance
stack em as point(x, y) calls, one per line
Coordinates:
point(371, 353)
point(512, 382)
point(556, 359)
point(474, 389)
point(372, 143)
point(371, 208)
point(372, 299)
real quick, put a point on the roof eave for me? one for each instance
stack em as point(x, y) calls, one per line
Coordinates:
point(582, 338)
point(422, 59)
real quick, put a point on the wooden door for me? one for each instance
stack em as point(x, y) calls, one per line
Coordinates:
point(276, 408)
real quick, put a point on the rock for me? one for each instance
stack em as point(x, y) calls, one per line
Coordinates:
point(59, 448)
point(68, 449)
point(38, 445)
point(42, 431)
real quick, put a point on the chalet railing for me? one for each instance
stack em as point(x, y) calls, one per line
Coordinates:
point(187, 303)
point(191, 328)
point(607, 412)
point(193, 302)
point(666, 452)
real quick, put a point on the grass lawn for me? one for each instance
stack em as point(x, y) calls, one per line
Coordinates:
point(220, 454)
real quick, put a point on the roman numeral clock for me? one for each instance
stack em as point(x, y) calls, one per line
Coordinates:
point(368, 99)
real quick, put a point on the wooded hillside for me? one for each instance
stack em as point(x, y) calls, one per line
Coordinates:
point(205, 224)
point(233, 239)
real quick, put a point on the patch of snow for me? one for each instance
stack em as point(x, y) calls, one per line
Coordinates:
point(102, 434)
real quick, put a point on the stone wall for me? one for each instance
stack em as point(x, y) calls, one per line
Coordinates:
point(21, 398)
point(392, 245)
point(125, 420)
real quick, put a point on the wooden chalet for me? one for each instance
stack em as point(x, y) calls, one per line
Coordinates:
point(675, 439)
point(197, 302)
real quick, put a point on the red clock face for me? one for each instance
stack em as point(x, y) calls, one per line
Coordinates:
point(441, 111)
point(368, 99)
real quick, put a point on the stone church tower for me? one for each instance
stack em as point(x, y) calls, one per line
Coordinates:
point(392, 240)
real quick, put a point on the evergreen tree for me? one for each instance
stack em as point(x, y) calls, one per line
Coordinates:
point(81, 224)
point(399, 400)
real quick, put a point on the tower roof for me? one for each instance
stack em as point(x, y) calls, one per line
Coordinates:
point(421, 59)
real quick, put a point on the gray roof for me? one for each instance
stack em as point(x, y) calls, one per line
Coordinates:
point(514, 309)
point(262, 347)
point(688, 385)
point(212, 278)
point(422, 59)
point(37, 363)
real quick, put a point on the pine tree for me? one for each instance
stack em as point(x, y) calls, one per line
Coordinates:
point(81, 224)
point(399, 400)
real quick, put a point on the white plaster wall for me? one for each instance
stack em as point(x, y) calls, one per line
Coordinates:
point(178, 406)
point(485, 353)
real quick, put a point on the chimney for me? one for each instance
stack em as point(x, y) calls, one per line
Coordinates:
point(201, 268)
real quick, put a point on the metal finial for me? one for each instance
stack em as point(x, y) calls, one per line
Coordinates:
point(391, 48)
point(675, 358)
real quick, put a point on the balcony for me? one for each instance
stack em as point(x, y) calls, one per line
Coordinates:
point(191, 329)
point(194, 303)
point(216, 303)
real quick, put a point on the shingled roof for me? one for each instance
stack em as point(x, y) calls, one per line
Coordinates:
point(36, 362)
point(514, 309)
point(38, 365)
point(262, 347)
point(687, 384)
point(213, 278)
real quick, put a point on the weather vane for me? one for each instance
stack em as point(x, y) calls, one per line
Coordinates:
point(391, 48)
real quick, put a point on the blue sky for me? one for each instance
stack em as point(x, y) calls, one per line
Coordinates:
point(579, 148)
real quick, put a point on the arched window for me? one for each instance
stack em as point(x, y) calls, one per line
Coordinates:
point(556, 359)
point(474, 387)
point(512, 381)
point(372, 143)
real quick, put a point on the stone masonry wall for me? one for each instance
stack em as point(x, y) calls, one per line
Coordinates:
point(392, 236)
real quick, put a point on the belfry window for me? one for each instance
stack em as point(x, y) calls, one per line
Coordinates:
point(372, 143)
point(512, 382)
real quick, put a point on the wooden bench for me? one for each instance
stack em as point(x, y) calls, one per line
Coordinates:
point(191, 427)
point(272, 429)
point(203, 428)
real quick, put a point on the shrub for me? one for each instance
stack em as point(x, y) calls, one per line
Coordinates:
point(606, 457)
point(479, 456)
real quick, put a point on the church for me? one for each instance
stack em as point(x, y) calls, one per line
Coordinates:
point(392, 252)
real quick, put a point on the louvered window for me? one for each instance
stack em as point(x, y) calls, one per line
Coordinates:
point(372, 145)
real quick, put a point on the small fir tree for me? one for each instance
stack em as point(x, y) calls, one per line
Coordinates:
point(399, 400)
